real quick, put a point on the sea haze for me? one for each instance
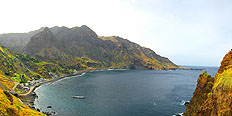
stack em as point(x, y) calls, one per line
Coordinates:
point(121, 93)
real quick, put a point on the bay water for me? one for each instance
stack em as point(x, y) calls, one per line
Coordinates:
point(121, 93)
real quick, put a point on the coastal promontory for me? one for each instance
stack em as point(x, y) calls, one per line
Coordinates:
point(213, 96)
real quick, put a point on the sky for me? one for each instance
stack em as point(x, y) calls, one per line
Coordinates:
point(188, 32)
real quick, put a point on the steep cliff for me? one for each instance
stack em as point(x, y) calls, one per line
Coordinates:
point(215, 97)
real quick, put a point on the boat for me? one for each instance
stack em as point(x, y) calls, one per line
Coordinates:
point(79, 97)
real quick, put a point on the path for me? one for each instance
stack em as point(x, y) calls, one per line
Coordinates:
point(16, 84)
point(31, 89)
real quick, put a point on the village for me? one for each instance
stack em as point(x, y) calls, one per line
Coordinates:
point(30, 85)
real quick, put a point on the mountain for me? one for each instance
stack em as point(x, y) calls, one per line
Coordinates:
point(213, 96)
point(67, 46)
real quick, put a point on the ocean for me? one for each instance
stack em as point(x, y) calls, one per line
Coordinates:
point(121, 93)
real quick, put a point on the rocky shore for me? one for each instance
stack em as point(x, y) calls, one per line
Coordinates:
point(30, 97)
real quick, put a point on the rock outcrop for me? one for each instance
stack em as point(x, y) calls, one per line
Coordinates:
point(213, 96)
point(204, 86)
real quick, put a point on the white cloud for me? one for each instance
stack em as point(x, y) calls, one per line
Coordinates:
point(188, 32)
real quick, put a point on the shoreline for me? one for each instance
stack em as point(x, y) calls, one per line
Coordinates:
point(30, 97)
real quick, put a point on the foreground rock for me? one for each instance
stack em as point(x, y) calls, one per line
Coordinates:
point(12, 106)
point(49, 106)
point(186, 103)
point(213, 96)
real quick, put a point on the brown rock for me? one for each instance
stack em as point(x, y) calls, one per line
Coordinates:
point(213, 96)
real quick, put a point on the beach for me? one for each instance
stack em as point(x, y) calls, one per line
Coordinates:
point(29, 97)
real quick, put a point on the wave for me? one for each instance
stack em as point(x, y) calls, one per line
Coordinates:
point(70, 77)
point(108, 70)
point(178, 114)
point(81, 74)
point(183, 102)
point(117, 69)
point(154, 104)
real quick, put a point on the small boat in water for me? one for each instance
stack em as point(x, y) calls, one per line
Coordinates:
point(79, 97)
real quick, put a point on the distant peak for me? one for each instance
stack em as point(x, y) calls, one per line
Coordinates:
point(46, 29)
point(45, 33)
point(59, 27)
point(84, 27)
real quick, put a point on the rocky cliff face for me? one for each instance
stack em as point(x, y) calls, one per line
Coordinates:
point(213, 96)
point(44, 44)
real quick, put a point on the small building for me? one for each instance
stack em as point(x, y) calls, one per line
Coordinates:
point(37, 81)
point(32, 83)
point(26, 84)
point(22, 85)
point(75, 71)
point(42, 80)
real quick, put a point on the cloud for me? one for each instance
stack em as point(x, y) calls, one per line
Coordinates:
point(194, 32)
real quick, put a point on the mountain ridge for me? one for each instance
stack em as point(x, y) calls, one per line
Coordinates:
point(81, 41)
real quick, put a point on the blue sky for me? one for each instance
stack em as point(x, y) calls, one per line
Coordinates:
point(188, 32)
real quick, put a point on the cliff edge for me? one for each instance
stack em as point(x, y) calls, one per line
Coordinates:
point(213, 96)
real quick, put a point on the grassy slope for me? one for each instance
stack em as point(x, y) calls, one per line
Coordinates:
point(129, 53)
point(11, 106)
point(25, 67)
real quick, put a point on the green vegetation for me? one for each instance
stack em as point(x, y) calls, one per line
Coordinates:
point(22, 68)
point(206, 75)
point(19, 78)
point(224, 79)
point(212, 96)
point(11, 106)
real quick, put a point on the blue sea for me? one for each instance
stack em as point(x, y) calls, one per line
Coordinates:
point(121, 93)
